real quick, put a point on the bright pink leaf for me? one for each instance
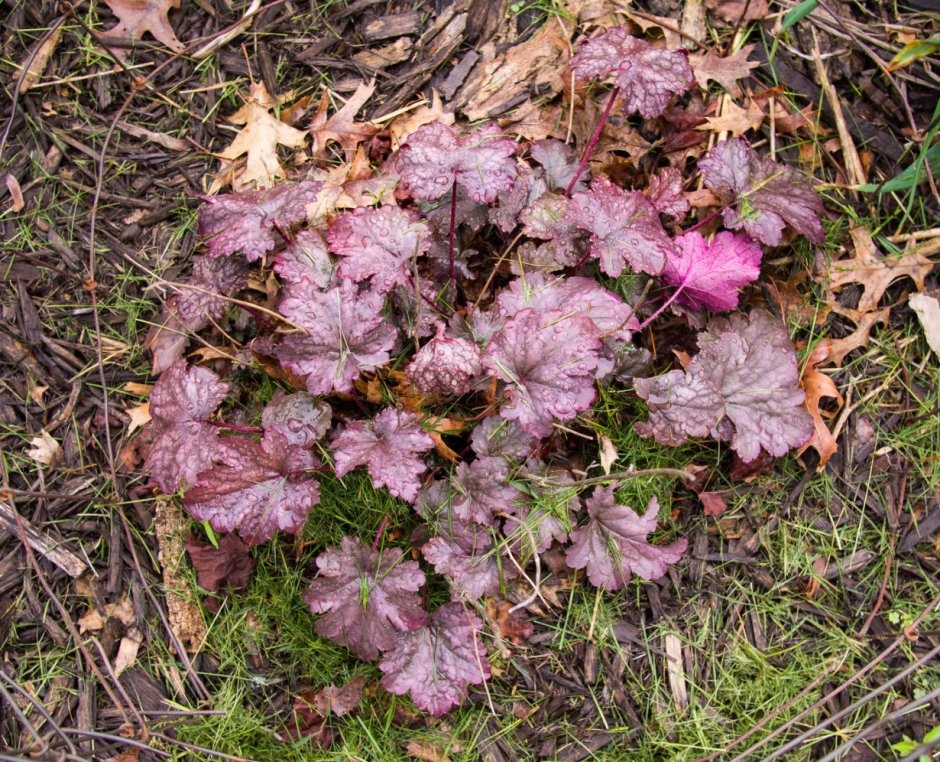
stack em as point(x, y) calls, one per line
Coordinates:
point(710, 273)
point(613, 543)
point(183, 445)
point(766, 196)
point(381, 244)
point(625, 226)
point(259, 490)
point(390, 447)
point(437, 663)
point(446, 365)
point(436, 155)
point(548, 361)
point(366, 597)
point(743, 385)
point(648, 77)
point(306, 257)
point(346, 334)
point(249, 221)
point(664, 192)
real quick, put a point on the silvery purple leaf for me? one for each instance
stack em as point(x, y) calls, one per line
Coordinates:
point(481, 490)
point(445, 365)
point(300, 417)
point(305, 257)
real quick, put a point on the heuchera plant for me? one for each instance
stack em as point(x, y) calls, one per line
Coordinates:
point(510, 358)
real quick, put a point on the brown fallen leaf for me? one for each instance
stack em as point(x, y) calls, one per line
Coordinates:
point(864, 321)
point(713, 503)
point(339, 701)
point(608, 453)
point(257, 142)
point(139, 415)
point(711, 66)
point(875, 272)
point(738, 11)
point(818, 385)
point(402, 126)
point(44, 449)
point(735, 119)
point(127, 651)
point(135, 17)
point(94, 620)
point(40, 60)
point(927, 309)
point(16, 193)
point(514, 627)
point(426, 752)
point(342, 127)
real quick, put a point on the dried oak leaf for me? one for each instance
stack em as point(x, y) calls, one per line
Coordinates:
point(136, 17)
point(437, 663)
point(736, 119)
point(378, 244)
point(743, 385)
point(766, 196)
point(257, 141)
point(229, 565)
point(366, 597)
point(300, 418)
point(346, 334)
point(818, 385)
point(259, 490)
point(613, 544)
point(183, 444)
point(709, 273)
point(390, 447)
point(249, 221)
point(664, 192)
point(727, 71)
point(305, 257)
point(445, 365)
point(548, 361)
point(481, 490)
point(647, 77)
point(560, 161)
point(625, 228)
point(436, 155)
point(875, 272)
point(342, 127)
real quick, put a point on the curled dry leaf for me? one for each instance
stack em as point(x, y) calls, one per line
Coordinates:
point(818, 385)
point(137, 17)
point(342, 127)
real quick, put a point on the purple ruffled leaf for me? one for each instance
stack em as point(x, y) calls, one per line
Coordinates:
point(529, 186)
point(389, 447)
point(465, 553)
point(481, 490)
point(613, 543)
point(436, 155)
point(300, 418)
point(743, 385)
point(446, 365)
point(766, 195)
point(648, 77)
point(346, 334)
point(366, 597)
point(545, 220)
point(548, 362)
point(664, 192)
point(437, 663)
point(625, 228)
point(495, 436)
point(259, 490)
point(380, 244)
point(560, 161)
point(249, 221)
point(183, 445)
point(710, 273)
point(306, 257)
